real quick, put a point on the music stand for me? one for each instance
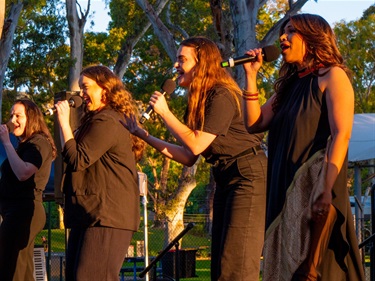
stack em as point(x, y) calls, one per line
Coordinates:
point(175, 242)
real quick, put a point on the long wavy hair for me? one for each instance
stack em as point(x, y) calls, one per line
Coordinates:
point(117, 97)
point(207, 74)
point(321, 51)
point(35, 124)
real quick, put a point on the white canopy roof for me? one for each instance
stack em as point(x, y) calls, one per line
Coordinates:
point(362, 142)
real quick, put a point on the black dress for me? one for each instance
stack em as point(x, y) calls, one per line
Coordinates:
point(300, 128)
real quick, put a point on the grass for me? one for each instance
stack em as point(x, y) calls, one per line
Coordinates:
point(155, 245)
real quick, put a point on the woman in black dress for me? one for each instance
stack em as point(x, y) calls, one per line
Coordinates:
point(310, 233)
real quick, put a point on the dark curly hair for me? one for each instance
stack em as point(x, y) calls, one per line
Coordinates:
point(321, 51)
point(117, 97)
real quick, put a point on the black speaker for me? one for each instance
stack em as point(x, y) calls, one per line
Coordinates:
point(59, 165)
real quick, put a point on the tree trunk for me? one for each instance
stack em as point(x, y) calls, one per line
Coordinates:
point(131, 41)
point(76, 28)
point(61, 216)
point(2, 16)
point(175, 206)
point(161, 31)
point(209, 202)
point(244, 17)
point(223, 27)
point(6, 43)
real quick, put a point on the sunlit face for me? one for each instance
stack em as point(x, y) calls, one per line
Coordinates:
point(92, 93)
point(185, 64)
point(293, 47)
point(19, 119)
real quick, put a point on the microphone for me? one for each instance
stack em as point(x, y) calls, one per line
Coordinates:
point(74, 101)
point(10, 126)
point(269, 53)
point(168, 87)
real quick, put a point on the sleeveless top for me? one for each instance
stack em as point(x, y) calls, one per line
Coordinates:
point(298, 130)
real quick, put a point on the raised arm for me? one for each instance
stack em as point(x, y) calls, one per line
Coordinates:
point(23, 170)
point(196, 141)
point(257, 118)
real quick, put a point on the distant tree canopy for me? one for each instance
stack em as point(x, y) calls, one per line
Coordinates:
point(137, 46)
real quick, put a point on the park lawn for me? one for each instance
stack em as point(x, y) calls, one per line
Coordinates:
point(156, 245)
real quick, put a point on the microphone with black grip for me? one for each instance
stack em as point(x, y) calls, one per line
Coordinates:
point(74, 101)
point(269, 53)
point(10, 126)
point(168, 87)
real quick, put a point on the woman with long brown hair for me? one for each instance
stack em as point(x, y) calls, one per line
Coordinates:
point(310, 232)
point(214, 129)
point(101, 181)
point(24, 176)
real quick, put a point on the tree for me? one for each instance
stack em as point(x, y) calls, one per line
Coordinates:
point(244, 16)
point(356, 39)
point(39, 54)
point(234, 25)
point(76, 23)
point(2, 16)
point(6, 41)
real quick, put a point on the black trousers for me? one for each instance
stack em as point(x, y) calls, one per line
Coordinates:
point(96, 253)
point(239, 219)
point(22, 221)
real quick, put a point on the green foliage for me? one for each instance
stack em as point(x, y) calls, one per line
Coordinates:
point(52, 213)
point(269, 15)
point(39, 55)
point(57, 239)
point(9, 96)
point(102, 48)
point(197, 199)
point(356, 40)
point(40, 63)
point(194, 17)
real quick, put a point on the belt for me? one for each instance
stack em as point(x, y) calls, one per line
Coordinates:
point(250, 151)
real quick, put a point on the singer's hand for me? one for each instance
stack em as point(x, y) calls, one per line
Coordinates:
point(321, 206)
point(132, 126)
point(4, 134)
point(63, 112)
point(159, 104)
point(253, 67)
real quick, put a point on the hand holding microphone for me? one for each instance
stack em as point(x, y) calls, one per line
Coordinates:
point(5, 129)
point(269, 53)
point(74, 101)
point(168, 87)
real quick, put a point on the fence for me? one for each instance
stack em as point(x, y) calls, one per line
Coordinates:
point(194, 252)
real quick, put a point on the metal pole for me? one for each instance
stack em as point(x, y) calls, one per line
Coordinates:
point(358, 197)
point(372, 252)
point(142, 184)
point(49, 242)
point(144, 201)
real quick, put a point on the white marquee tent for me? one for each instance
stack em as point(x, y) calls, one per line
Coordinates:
point(362, 142)
point(361, 148)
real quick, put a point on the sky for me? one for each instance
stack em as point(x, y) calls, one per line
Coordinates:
point(332, 10)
